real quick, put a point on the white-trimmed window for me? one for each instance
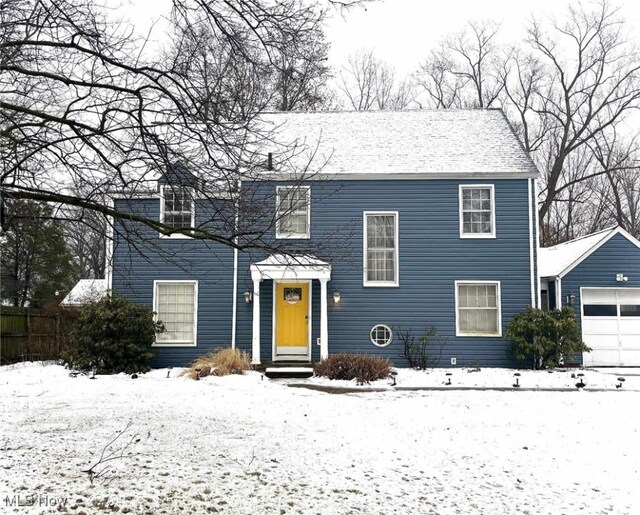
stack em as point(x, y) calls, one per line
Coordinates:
point(478, 311)
point(177, 209)
point(477, 211)
point(381, 335)
point(293, 211)
point(380, 234)
point(176, 306)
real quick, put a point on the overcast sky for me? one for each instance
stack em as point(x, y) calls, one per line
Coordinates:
point(402, 31)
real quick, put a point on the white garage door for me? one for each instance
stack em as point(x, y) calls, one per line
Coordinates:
point(611, 326)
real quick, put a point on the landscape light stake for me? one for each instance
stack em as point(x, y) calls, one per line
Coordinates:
point(581, 383)
point(619, 385)
point(198, 370)
point(517, 384)
point(393, 377)
point(169, 372)
point(448, 383)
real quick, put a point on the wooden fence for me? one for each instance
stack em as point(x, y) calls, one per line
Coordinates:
point(26, 335)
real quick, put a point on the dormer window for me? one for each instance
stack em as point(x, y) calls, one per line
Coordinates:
point(177, 209)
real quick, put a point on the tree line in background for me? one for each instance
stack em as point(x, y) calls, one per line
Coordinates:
point(570, 90)
point(87, 110)
point(45, 254)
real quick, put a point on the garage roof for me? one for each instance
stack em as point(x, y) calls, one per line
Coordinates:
point(87, 290)
point(559, 260)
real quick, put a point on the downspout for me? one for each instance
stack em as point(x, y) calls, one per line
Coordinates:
point(108, 253)
point(234, 306)
point(531, 258)
point(536, 228)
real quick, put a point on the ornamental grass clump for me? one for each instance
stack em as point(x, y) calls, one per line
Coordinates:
point(220, 362)
point(361, 367)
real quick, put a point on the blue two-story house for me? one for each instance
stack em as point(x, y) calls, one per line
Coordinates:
point(371, 224)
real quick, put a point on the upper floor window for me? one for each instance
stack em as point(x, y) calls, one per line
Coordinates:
point(177, 209)
point(477, 211)
point(293, 211)
point(381, 249)
point(478, 308)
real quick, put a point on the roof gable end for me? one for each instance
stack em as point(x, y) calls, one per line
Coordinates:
point(573, 254)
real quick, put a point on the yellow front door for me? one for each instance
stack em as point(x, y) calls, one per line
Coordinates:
point(292, 320)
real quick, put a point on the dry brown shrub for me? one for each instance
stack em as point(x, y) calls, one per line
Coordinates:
point(220, 362)
point(361, 367)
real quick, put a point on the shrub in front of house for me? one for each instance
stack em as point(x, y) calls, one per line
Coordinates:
point(416, 348)
point(220, 362)
point(113, 335)
point(545, 338)
point(361, 367)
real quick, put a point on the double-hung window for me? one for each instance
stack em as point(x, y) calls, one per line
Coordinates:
point(477, 211)
point(176, 306)
point(380, 249)
point(177, 209)
point(478, 308)
point(293, 211)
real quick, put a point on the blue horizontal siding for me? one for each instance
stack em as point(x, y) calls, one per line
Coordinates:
point(142, 257)
point(432, 258)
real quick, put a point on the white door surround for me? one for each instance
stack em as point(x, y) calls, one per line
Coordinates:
point(283, 268)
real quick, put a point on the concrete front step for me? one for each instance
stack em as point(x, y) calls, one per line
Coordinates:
point(288, 372)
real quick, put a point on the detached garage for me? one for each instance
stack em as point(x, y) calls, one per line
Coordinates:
point(599, 277)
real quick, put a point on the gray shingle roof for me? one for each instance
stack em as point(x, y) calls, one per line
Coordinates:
point(433, 142)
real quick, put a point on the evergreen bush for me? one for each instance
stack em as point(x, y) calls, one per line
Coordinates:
point(545, 338)
point(113, 335)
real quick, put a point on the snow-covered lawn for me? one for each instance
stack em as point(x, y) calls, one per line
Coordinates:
point(244, 444)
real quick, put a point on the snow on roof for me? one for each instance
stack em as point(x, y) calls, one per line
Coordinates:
point(553, 261)
point(463, 142)
point(289, 261)
point(87, 290)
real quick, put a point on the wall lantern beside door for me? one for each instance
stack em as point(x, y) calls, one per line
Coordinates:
point(336, 297)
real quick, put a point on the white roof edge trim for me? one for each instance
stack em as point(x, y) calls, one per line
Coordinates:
point(614, 231)
point(385, 176)
point(156, 195)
